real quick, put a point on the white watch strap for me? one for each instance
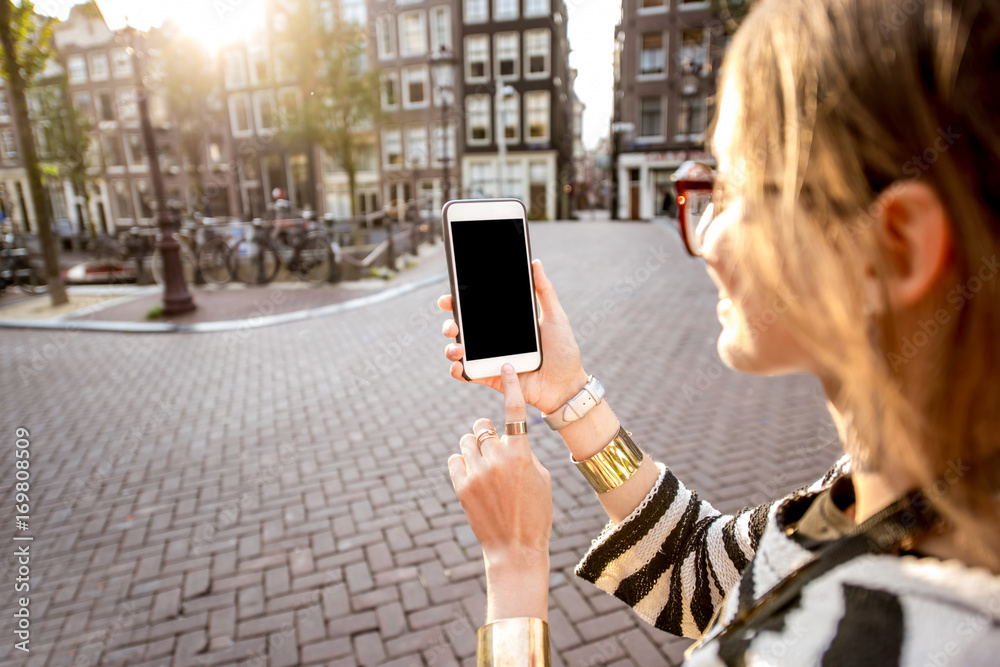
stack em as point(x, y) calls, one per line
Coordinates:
point(574, 409)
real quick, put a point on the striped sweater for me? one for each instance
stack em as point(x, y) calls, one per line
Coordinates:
point(678, 562)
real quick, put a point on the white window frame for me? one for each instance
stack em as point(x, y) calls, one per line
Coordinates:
point(133, 164)
point(420, 151)
point(98, 56)
point(476, 17)
point(516, 51)
point(664, 50)
point(5, 108)
point(243, 98)
point(443, 39)
point(76, 68)
point(122, 104)
point(121, 64)
point(650, 138)
point(255, 55)
point(537, 94)
point(506, 10)
point(259, 98)
point(394, 75)
point(360, 18)
point(8, 144)
point(487, 114)
point(439, 149)
point(692, 136)
point(512, 109)
point(528, 74)
point(539, 8)
point(230, 58)
point(398, 132)
point(385, 31)
point(283, 56)
point(119, 142)
point(421, 73)
point(420, 48)
point(659, 9)
point(485, 40)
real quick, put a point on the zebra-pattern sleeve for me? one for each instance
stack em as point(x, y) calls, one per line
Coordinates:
point(676, 557)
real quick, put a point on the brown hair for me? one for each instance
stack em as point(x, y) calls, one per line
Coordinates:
point(839, 100)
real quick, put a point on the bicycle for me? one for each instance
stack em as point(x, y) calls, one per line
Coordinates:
point(16, 268)
point(208, 261)
point(258, 259)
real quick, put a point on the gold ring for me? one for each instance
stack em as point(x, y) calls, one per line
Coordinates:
point(488, 433)
point(515, 428)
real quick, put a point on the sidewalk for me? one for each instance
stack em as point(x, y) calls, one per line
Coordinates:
point(234, 306)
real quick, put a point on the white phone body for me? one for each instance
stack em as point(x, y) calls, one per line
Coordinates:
point(492, 285)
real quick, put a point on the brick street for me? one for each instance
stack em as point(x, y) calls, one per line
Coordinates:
point(279, 496)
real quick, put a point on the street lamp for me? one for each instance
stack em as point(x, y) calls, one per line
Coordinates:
point(443, 71)
point(176, 298)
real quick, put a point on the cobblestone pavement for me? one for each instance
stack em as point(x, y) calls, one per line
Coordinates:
point(279, 496)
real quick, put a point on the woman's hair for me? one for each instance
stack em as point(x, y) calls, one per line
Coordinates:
point(838, 101)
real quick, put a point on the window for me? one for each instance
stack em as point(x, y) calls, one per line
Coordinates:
point(99, 70)
point(105, 107)
point(128, 104)
point(416, 146)
point(694, 51)
point(263, 111)
point(364, 157)
point(505, 9)
point(691, 115)
point(536, 53)
point(216, 147)
point(650, 117)
point(653, 4)
point(536, 8)
point(5, 110)
point(507, 49)
point(444, 143)
point(284, 63)
point(510, 113)
point(477, 114)
point(9, 146)
point(236, 73)
point(121, 199)
point(476, 11)
point(412, 34)
point(259, 69)
point(392, 148)
point(385, 37)
point(353, 11)
point(111, 145)
point(121, 64)
point(536, 107)
point(477, 57)
point(390, 91)
point(135, 150)
point(651, 57)
point(415, 85)
point(143, 198)
point(327, 17)
point(77, 67)
point(440, 28)
point(239, 114)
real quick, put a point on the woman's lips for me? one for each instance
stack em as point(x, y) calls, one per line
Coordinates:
point(723, 305)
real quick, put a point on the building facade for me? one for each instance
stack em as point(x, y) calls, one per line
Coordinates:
point(517, 90)
point(667, 54)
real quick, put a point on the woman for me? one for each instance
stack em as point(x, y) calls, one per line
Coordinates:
point(857, 210)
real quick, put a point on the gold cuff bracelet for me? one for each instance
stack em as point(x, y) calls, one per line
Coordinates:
point(513, 642)
point(612, 466)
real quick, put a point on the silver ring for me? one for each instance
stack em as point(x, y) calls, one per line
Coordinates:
point(515, 428)
point(488, 433)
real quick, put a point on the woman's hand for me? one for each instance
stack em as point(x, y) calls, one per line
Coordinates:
point(561, 374)
point(507, 497)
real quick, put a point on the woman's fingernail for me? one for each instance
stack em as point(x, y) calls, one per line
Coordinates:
point(508, 369)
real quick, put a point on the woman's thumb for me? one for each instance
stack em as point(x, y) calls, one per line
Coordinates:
point(546, 292)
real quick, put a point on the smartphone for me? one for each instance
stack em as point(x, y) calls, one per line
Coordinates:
point(492, 286)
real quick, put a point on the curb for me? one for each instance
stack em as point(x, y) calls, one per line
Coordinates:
point(226, 325)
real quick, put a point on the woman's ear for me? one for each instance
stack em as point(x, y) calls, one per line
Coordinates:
point(914, 238)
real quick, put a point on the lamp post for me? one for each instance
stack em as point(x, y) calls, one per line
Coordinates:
point(176, 298)
point(443, 70)
point(503, 92)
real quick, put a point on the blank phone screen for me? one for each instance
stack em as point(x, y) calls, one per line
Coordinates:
point(494, 290)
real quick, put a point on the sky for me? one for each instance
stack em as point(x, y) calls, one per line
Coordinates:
point(591, 27)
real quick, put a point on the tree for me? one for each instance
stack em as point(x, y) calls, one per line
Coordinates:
point(190, 80)
point(25, 38)
point(67, 139)
point(341, 100)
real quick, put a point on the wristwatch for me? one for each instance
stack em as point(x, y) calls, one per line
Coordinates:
point(576, 407)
